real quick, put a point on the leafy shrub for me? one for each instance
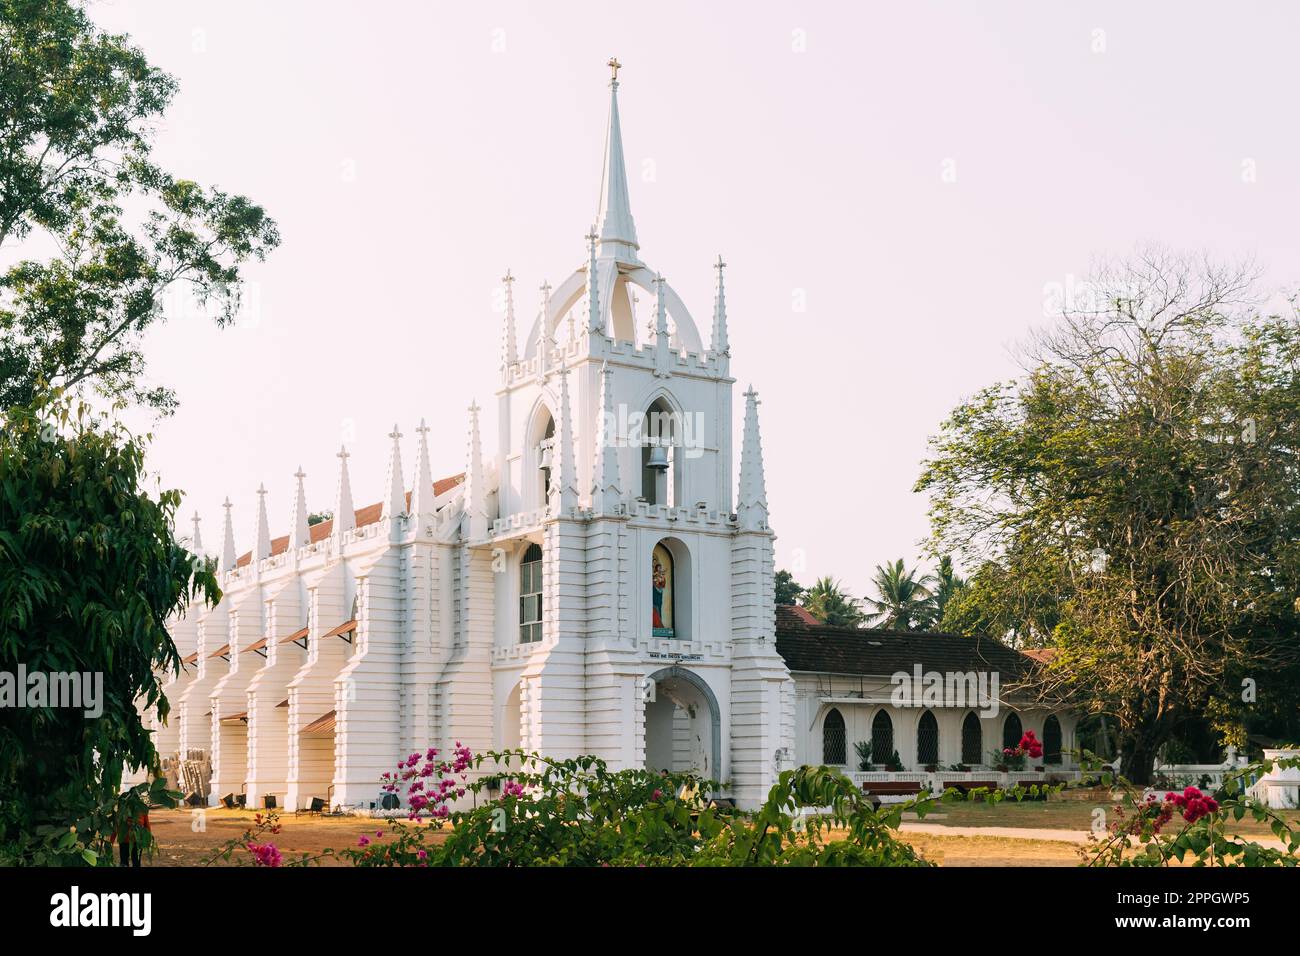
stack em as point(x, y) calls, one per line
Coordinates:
point(1141, 834)
point(578, 812)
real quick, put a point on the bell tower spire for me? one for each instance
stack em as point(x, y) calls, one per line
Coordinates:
point(751, 508)
point(617, 231)
point(509, 344)
point(720, 344)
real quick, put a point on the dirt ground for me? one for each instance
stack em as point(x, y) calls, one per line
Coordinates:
point(992, 851)
point(191, 838)
point(187, 838)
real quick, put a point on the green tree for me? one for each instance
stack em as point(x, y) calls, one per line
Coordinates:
point(1133, 500)
point(831, 604)
point(1022, 610)
point(788, 590)
point(76, 175)
point(89, 571)
point(904, 601)
point(946, 586)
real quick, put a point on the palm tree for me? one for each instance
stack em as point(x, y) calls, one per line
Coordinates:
point(947, 585)
point(905, 602)
point(827, 601)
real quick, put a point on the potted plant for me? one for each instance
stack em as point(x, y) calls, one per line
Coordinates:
point(863, 748)
point(895, 763)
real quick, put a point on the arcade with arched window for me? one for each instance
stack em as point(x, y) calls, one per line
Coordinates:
point(834, 739)
point(1052, 740)
point(927, 740)
point(1011, 732)
point(882, 738)
point(972, 740)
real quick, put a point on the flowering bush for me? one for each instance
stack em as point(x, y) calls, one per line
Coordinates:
point(424, 796)
point(260, 851)
point(532, 810)
point(1140, 835)
point(1014, 757)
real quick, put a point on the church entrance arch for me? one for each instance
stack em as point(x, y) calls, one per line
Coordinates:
point(683, 725)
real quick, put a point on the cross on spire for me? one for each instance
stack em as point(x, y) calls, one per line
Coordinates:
point(508, 277)
point(719, 265)
point(614, 67)
point(395, 434)
point(423, 429)
point(261, 489)
point(300, 474)
point(343, 453)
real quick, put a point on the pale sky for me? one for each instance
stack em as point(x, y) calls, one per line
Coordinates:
point(916, 177)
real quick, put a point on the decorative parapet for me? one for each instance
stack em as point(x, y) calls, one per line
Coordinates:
point(518, 653)
point(682, 361)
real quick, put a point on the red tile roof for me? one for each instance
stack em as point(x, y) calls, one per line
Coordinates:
point(800, 613)
point(364, 516)
point(821, 648)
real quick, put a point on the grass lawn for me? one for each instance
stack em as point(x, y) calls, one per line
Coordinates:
point(1057, 814)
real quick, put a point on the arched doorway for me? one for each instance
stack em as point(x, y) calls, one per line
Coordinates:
point(683, 725)
point(510, 720)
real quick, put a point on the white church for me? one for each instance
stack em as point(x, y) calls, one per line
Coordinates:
point(600, 582)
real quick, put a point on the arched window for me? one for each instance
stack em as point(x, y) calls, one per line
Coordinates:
point(660, 464)
point(972, 740)
point(530, 595)
point(834, 739)
point(882, 738)
point(661, 592)
point(1011, 732)
point(927, 740)
point(1051, 740)
point(535, 489)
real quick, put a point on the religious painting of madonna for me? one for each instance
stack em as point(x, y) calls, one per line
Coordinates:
point(661, 592)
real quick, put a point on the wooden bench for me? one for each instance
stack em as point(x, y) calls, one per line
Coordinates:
point(891, 788)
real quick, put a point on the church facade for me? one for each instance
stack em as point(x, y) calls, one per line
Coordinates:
point(599, 582)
